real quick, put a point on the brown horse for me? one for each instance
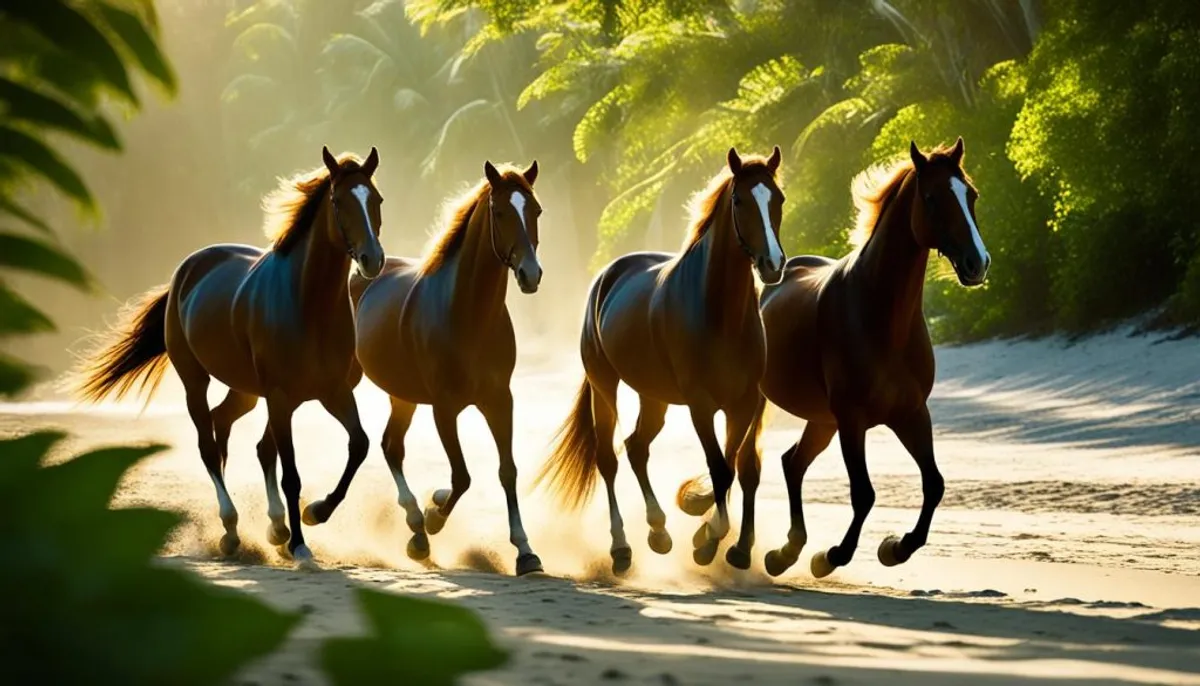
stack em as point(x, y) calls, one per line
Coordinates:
point(274, 324)
point(680, 330)
point(848, 348)
point(437, 332)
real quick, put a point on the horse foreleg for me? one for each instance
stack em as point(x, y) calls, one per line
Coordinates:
point(651, 417)
point(279, 414)
point(916, 434)
point(343, 408)
point(796, 460)
point(498, 412)
point(749, 469)
point(709, 535)
point(862, 499)
point(277, 531)
point(442, 501)
point(235, 406)
point(393, 453)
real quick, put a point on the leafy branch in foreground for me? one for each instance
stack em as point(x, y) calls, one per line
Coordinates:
point(88, 603)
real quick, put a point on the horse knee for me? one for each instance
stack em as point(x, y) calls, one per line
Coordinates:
point(934, 487)
point(460, 481)
point(508, 475)
point(291, 483)
point(862, 498)
point(359, 445)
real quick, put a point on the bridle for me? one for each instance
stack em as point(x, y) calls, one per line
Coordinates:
point(737, 229)
point(337, 220)
point(506, 259)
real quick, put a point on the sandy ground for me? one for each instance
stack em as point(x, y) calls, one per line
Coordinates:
point(1066, 547)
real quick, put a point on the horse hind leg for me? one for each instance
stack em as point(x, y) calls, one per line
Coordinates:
point(195, 384)
point(651, 418)
point(604, 417)
point(498, 411)
point(235, 406)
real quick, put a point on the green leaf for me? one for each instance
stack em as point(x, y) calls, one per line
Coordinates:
point(25, 453)
point(18, 252)
point(89, 481)
point(25, 104)
point(14, 376)
point(413, 641)
point(18, 316)
point(41, 159)
point(134, 34)
point(73, 33)
point(7, 206)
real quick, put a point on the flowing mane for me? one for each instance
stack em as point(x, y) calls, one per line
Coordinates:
point(875, 185)
point(292, 207)
point(457, 213)
point(703, 204)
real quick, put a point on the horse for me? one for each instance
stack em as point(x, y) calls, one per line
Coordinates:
point(273, 324)
point(437, 332)
point(848, 348)
point(680, 329)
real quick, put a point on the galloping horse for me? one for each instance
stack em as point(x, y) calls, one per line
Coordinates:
point(274, 324)
point(437, 332)
point(680, 330)
point(848, 348)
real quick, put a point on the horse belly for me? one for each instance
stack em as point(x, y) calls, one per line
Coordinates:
point(794, 379)
point(204, 304)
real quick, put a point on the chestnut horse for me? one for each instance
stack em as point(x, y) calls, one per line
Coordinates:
point(848, 348)
point(274, 324)
point(437, 332)
point(680, 330)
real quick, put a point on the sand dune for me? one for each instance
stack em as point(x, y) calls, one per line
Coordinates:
point(1066, 546)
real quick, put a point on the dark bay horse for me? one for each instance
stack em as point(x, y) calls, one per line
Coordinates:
point(848, 348)
point(437, 332)
point(679, 329)
point(274, 324)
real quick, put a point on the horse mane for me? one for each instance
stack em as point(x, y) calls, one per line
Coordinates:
point(292, 207)
point(875, 185)
point(702, 206)
point(457, 213)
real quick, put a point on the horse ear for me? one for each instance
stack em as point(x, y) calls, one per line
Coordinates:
point(492, 174)
point(773, 161)
point(531, 173)
point(918, 158)
point(331, 162)
point(956, 155)
point(735, 162)
point(372, 163)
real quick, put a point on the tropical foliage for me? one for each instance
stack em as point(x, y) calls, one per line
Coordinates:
point(88, 602)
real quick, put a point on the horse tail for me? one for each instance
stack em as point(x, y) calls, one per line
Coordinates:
point(134, 356)
point(571, 469)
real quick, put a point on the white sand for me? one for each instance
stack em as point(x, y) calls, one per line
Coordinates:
point(1068, 544)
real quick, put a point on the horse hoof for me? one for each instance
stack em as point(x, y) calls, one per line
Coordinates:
point(777, 563)
point(695, 504)
point(660, 541)
point(434, 521)
point(528, 564)
point(278, 534)
point(821, 566)
point(317, 512)
point(230, 543)
point(701, 537)
point(891, 552)
point(304, 559)
point(704, 555)
point(418, 547)
point(737, 558)
point(622, 560)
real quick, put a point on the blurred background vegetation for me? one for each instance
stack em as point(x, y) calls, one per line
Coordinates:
point(1079, 118)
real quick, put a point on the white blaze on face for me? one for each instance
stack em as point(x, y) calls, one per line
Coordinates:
point(762, 195)
point(960, 191)
point(362, 193)
point(518, 203)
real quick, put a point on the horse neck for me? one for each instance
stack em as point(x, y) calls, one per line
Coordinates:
point(478, 283)
point(322, 270)
point(894, 265)
point(728, 283)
